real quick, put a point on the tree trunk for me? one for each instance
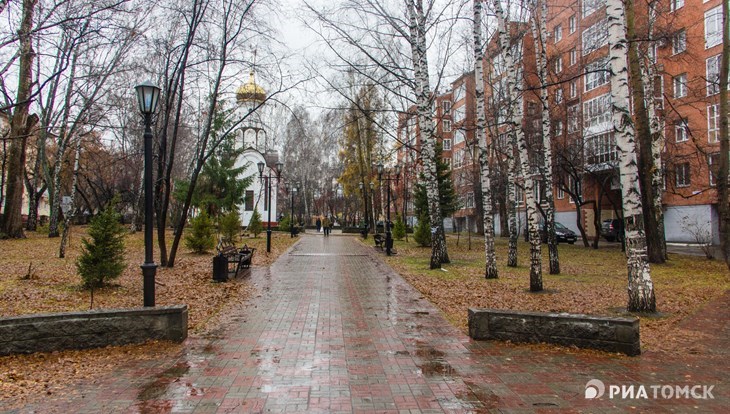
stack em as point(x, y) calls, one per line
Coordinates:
point(67, 216)
point(21, 126)
point(655, 251)
point(723, 208)
point(481, 134)
point(512, 204)
point(640, 286)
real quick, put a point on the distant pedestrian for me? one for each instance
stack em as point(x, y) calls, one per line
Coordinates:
point(318, 224)
point(326, 225)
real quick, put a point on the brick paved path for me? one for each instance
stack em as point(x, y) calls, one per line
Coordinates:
point(336, 330)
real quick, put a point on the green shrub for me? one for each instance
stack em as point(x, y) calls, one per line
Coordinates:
point(230, 226)
point(255, 226)
point(285, 224)
point(399, 229)
point(422, 234)
point(200, 239)
point(102, 256)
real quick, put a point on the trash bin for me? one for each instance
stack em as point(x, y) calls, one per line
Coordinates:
point(220, 268)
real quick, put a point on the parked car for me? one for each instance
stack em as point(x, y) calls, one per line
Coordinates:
point(562, 234)
point(612, 229)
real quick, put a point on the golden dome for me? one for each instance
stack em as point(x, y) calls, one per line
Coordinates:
point(250, 91)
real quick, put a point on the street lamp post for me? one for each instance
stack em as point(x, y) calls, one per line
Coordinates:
point(371, 213)
point(388, 179)
point(147, 96)
point(291, 218)
point(279, 167)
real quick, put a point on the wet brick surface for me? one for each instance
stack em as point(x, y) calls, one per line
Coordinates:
point(335, 330)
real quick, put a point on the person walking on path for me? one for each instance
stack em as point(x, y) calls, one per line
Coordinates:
point(318, 224)
point(326, 225)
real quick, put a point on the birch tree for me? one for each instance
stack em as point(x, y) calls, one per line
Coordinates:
point(481, 133)
point(515, 125)
point(640, 287)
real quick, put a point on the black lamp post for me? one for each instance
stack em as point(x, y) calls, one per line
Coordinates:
point(388, 179)
point(279, 167)
point(371, 213)
point(147, 96)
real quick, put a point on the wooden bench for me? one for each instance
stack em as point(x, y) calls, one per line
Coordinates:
point(379, 240)
point(237, 258)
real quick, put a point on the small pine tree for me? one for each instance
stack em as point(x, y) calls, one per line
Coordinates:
point(255, 226)
point(102, 256)
point(422, 233)
point(399, 229)
point(285, 224)
point(230, 226)
point(201, 238)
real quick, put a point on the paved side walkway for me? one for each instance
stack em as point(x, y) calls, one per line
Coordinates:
point(334, 330)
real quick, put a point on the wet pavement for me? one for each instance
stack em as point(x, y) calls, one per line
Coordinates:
point(335, 330)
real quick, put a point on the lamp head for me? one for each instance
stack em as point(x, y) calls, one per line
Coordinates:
point(147, 96)
point(261, 166)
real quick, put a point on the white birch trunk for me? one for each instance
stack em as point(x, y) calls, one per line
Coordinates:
point(417, 23)
point(640, 286)
point(67, 217)
point(512, 204)
point(481, 133)
point(540, 39)
point(515, 121)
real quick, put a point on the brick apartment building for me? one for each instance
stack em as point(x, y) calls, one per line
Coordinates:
point(686, 57)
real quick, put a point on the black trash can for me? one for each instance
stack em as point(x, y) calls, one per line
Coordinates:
point(220, 268)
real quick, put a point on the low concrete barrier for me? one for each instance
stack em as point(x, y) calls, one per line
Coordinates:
point(92, 329)
point(584, 331)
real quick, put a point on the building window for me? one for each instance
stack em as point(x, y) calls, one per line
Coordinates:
point(571, 24)
point(601, 148)
point(447, 145)
point(713, 27)
point(597, 112)
point(459, 136)
point(713, 75)
point(560, 192)
point(558, 96)
point(676, 4)
point(681, 130)
point(595, 36)
point(249, 200)
point(558, 128)
point(713, 164)
point(459, 113)
point(447, 161)
point(469, 200)
point(713, 123)
point(590, 6)
point(575, 187)
point(559, 64)
point(447, 125)
point(558, 32)
point(597, 74)
point(679, 42)
point(446, 105)
point(573, 118)
point(573, 56)
point(680, 85)
point(682, 175)
point(573, 88)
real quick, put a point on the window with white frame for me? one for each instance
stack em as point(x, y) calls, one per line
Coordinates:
point(713, 27)
point(560, 192)
point(558, 96)
point(447, 125)
point(596, 74)
point(571, 24)
point(680, 85)
point(558, 128)
point(459, 136)
point(681, 130)
point(682, 175)
point(458, 157)
point(559, 64)
point(713, 75)
point(713, 123)
point(573, 88)
point(595, 36)
point(573, 56)
point(601, 148)
point(676, 4)
point(558, 33)
point(469, 200)
point(597, 111)
point(446, 106)
point(679, 42)
point(459, 113)
point(573, 118)
point(713, 164)
point(446, 143)
point(590, 6)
